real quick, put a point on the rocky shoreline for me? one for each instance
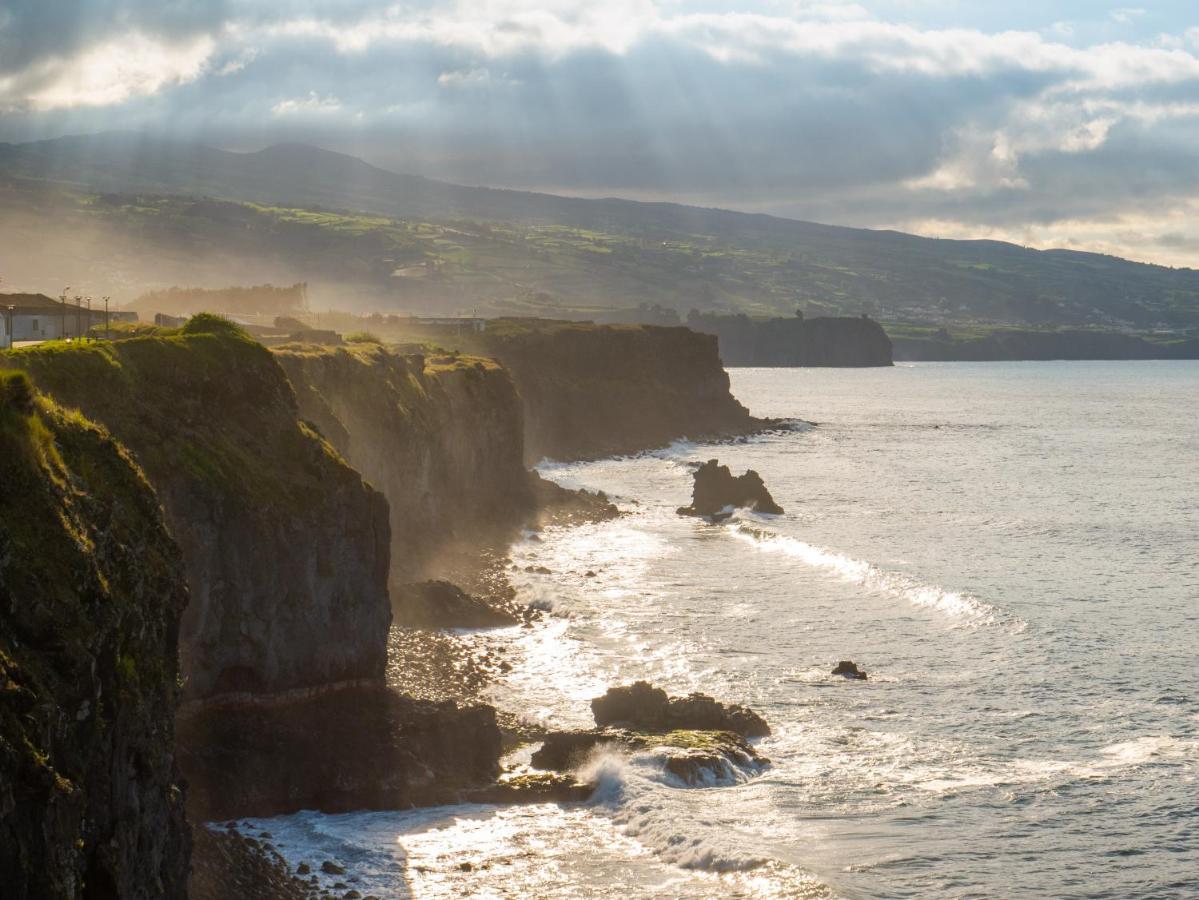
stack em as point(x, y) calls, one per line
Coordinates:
point(311, 657)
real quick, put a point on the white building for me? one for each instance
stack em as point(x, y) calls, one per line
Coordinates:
point(36, 317)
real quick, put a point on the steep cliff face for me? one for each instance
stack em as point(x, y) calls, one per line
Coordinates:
point(842, 342)
point(286, 549)
point(91, 592)
point(441, 438)
point(595, 390)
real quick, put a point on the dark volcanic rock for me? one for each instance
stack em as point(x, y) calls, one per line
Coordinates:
point(646, 708)
point(716, 489)
point(849, 669)
point(439, 604)
point(563, 750)
point(355, 748)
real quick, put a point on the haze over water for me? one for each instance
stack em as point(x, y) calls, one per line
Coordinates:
point(1009, 549)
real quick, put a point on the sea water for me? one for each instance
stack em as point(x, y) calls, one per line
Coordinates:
point(1011, 550)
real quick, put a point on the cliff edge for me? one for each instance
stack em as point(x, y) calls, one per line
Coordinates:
point(286, 549)
point(91, 592)
point(598, 390)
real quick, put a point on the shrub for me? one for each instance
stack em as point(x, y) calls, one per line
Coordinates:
point(362, 337)
point(16, 392)
point(211, 323)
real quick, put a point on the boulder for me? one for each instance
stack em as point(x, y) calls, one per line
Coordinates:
point(440, 604)
point(540, 787)
point(847, 668)
point(643, 707)
point(717, 490)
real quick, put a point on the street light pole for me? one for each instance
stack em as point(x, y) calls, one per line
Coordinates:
point(78, 310)
point(11, 310)
point(106, 336)
point(62, 313)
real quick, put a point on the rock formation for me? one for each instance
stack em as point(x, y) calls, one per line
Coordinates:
point(439, 604)
point(647, 708)
point(698, 740)
point(717, 491)
point(91, 591)
point(597, 390)
point(847, 668)
point(837, 341)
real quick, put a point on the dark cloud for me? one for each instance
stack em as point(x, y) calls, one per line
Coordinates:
point(878, 125)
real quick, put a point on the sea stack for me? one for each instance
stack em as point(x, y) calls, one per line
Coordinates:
point(717, 492)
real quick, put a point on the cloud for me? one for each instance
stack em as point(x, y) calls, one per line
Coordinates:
point(820, 110)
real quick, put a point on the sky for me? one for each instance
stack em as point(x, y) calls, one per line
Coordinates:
point(1060, 123)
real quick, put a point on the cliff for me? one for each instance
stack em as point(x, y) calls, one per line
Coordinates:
point(286, 549)
point(844, 342)
point(442, 438)
point(597, 390)
point(91, 592)
point(1041, 345)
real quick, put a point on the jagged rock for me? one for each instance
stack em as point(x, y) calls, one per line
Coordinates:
point(439, 604)
point(847, 668)
point(644, 707)
point(716, 490)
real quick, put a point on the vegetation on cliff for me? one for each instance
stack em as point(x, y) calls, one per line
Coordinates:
point(91, 591)
point(286, 548)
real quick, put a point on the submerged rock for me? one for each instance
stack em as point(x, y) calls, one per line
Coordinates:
point(644, 707)
point(717, 491)
point(440, 604)
point(847, 668)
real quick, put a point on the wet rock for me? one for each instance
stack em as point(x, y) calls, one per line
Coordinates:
point(847, 668)
point(227, 864)
point(465, 867)
point(541, 787)
point(303, 869)
point(717, 491)
point(563, 750)
point(644, 707)
point(709, 758)
point(331, 868)
point(440, 604)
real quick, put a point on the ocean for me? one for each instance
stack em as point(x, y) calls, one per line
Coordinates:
point(1011, 550)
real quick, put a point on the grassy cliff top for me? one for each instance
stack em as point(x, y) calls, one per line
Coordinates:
point(205, 404)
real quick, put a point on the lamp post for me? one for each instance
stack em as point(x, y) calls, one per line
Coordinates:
point(62, 312)
point(11, 310)
point(88, 320)
point(78, 310)
point(106, 336)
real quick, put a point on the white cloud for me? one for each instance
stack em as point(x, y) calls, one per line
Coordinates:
point(108, 74)
point(312, 103)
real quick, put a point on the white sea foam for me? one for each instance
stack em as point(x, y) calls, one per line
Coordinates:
point(958, 604)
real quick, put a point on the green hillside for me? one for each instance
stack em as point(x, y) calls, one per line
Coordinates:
point(412, 243)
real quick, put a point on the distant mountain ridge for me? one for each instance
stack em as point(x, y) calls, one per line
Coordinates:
point(619, 251)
